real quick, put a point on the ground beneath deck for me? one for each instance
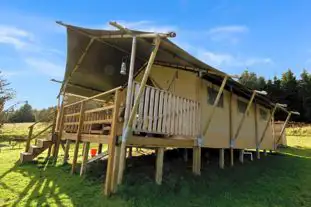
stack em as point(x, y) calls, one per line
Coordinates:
point(276, 180)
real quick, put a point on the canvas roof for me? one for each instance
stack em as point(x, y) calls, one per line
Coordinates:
point(100, 69)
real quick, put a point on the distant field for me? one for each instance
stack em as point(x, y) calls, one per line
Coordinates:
point(18, 130)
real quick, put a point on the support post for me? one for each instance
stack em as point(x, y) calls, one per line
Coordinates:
point(128, 127)
point(241, 157)
point(231, 128)
point(216, 101)
point(86, 148)
point(75, 154)
point(185, 155)
point(221, 158)
point(271, 116)
point(283, 128)
point(29, 138)
point(108, 187)
point(159, 165)
point(60, 127)
point(256, 131)
point(130, 152)
point(265, 152)
point(66, 153)
point(100, 148)
point(196, 163)
point(115, 169)
point(231, 157)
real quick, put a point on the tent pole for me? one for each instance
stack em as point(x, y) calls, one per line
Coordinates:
point(128, 127)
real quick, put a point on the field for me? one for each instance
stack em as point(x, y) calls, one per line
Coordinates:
point(282, 179)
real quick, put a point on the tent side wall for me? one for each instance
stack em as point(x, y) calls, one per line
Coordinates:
point(189, 85)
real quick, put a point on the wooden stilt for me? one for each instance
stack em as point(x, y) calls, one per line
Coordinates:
point(231, 157)
point(159, 165)
point(100, 148)
point(86, 148)
point(66, 153)
point(196, 164)
point(221, 158)
point(112, 146)
point(128, 125)
point(115, 170)
point(265, 152)
point(130, 152)
point(258, 154)
point(186, 155)
point(76, 151)
point(49, 151)
point(241, 156)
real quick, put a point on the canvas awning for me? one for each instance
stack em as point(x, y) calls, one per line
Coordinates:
point(100, 68)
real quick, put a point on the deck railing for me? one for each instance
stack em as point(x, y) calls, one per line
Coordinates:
point(162, 112)
point(96, 115)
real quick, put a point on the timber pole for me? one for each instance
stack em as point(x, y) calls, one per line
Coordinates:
point(127, 130)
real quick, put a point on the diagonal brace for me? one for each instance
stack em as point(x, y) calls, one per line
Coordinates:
point(267, 125)
point(205, 129)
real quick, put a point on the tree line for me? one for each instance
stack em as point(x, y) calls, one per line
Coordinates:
point(288, 89)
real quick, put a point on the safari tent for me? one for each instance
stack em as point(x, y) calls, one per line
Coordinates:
point(125, 88)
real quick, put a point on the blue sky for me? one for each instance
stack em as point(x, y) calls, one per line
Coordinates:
point(265, 36)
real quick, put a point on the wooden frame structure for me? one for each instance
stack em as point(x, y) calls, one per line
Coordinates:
point(153, 117)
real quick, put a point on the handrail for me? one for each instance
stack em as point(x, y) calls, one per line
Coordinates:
point(38, 121)
point(41, 132)
point(93, 97)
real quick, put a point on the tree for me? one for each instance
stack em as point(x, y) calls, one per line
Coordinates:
point(6, 94)
point(24, 114)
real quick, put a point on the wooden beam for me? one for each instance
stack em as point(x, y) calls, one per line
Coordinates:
point(231, 128)
point(86, 148)
point(60, 127)
point(108, 187)
point(159, 165)
point(176, 141)
point(115, 170)
point(94, 138)
point(265, 152)
point(196, 166)
point(222, 158)
point(77, 65)
point(100, 148)
point(256, 131)
point(66, 152)
point(283, 128)
point(76, 150)
point(241, 156)
point(244, 116)
point(127, 131)
point(231, 157)
point(216, 101)
point(271, 115)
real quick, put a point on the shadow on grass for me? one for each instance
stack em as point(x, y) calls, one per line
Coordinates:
point(278, 180)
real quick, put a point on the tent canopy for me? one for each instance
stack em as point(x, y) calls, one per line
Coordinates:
point(100, 68)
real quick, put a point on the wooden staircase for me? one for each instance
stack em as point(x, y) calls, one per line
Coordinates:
point(35, 150)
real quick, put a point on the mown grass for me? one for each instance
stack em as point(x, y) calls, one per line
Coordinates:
point(282, 179)
point(18, 130)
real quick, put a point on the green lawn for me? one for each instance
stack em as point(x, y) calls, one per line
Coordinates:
point(276, 180)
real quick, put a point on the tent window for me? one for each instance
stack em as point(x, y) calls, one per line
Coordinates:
point(212, 94)
point(242, 105)
point(263, 114)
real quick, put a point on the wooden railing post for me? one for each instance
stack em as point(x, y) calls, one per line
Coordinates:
point(75, 155)
point(59, 129)
point(29, 138)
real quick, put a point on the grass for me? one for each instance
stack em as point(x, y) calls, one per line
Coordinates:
point(276, 180)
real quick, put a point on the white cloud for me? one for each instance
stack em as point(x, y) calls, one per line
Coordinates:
point(45, 66)
point(229, 33)
point(7, 74)
point(228, 60)
point(14, 36)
